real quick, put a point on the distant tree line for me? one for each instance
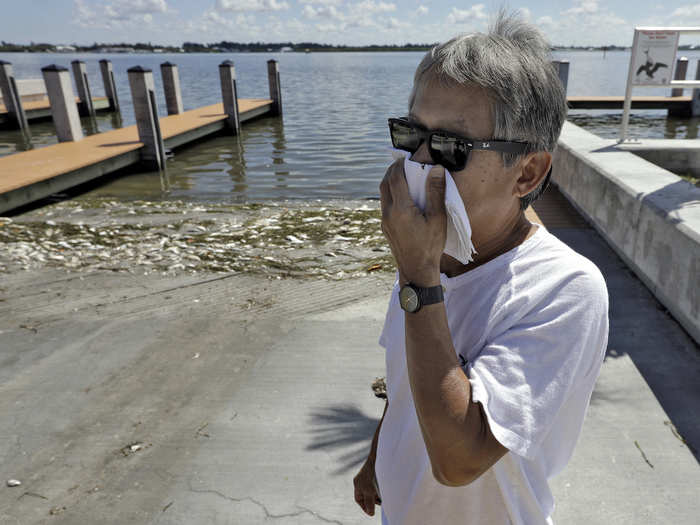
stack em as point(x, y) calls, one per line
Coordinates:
point(255, 47)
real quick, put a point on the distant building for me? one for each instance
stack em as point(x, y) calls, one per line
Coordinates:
point(65, 49)
point(115, 50)
point(286, 49)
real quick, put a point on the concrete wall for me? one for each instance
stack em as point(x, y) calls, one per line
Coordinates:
point(649, 216)
point(680, 156)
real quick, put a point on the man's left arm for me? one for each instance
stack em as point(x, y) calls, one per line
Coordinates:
point(455, 430)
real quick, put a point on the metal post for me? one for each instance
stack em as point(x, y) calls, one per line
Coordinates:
point(681, 70)
point(146, 113)
point(562, 67)
point(87, 109)
point(229, 93)
point(695, 102)
point(63, 108)
point(11, 97)
point(273, 78)
point(171, 86)
point(628, 90)
point(110, 86)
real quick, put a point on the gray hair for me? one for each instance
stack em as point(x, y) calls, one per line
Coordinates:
point(513, 64)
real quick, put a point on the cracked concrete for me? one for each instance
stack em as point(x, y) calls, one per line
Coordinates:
point(268, 514)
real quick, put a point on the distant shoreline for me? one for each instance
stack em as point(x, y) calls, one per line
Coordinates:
point(258, 48)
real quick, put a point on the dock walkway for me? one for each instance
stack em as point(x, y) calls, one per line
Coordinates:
point(41, 109)
point(30, 175)
point(639, 102)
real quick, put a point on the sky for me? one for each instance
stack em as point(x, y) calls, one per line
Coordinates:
point(348, 22)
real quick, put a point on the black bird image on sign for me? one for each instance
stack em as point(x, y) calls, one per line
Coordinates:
point(650, 67)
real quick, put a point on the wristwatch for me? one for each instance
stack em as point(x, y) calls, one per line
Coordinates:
point(412, 297)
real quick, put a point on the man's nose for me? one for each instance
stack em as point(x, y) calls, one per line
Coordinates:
point(422, 154)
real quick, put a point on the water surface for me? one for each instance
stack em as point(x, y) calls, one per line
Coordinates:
point(332, 140)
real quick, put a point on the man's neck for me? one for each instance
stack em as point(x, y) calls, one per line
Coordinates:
point(513, 235)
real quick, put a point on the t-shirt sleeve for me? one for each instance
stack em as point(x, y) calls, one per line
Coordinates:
point(525, 375)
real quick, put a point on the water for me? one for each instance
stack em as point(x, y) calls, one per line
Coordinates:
point(332, 141)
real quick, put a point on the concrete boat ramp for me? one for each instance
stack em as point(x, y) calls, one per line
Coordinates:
point(244, 399)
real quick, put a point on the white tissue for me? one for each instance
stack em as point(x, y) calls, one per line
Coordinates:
point(458, 243)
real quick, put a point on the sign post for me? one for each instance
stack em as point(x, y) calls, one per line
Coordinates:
point(651, 63)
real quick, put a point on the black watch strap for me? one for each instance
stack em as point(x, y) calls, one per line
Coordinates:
point(430, 295)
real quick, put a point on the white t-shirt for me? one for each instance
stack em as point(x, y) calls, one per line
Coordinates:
point(531, 327)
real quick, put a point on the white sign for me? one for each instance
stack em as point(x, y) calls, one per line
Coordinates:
point(654, 57)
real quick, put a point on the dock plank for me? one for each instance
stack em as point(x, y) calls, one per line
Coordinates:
point(35, 105)
point(617, 102)
point(29, 167)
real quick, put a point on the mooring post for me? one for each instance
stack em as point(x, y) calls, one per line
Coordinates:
point(171, 86)
point(562, 67)
point(681, 70)
point(11, 97)
point(146, 113)
point(273, 78)
point(63, 107)
point(679, 74)
point(110, 85)
point(86, 108)
point(695, 101)
point(229, 93)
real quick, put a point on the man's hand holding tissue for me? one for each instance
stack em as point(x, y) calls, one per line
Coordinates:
point(417, 239)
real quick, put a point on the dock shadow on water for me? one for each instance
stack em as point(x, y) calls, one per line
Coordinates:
point(342, 429)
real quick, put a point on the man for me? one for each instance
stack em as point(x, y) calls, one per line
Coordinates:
point(487, 385)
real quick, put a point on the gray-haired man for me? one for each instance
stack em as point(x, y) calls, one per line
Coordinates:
point(488, 384)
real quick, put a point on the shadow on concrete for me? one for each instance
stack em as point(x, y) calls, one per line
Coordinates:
point(681, 193)
point(641, 327)
point(345, 429)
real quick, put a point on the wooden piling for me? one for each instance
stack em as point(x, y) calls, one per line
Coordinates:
point(110, 85)
point(562, 68)
point(695, 101)
point(171, 87)
point(679, 74)
point(229, 93)
point(85, 106)
point(146, 113)
point(273, 78)
point(11, 96)
point(63, 108)
point(681, 71)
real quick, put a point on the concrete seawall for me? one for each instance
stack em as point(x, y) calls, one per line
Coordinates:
point(648, 215)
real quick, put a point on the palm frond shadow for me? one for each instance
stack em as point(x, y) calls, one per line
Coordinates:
point(344, 429)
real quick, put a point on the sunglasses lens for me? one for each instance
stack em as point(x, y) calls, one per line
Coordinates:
point(404, 136)
point(451, 152)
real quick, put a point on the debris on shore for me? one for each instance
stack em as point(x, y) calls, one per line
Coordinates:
point(304, 239)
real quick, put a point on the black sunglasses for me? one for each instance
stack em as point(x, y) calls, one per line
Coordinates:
point(447, 149)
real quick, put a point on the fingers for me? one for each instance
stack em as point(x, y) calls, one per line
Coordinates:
point(398, 184)
point(385, 192)
point(369, 504)
point(365, 494)
point(436, 190)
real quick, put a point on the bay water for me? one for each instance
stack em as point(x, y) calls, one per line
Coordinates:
point(332, 141)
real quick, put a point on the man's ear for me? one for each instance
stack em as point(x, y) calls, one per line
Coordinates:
point(534, 168)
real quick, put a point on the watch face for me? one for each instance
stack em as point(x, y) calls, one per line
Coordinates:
point(408, 299)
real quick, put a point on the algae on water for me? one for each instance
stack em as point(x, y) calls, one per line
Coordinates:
point(282, 240)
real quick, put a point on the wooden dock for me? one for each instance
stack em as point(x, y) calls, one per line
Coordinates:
point(32, 175)
point(679, 104)
point(41, 110)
